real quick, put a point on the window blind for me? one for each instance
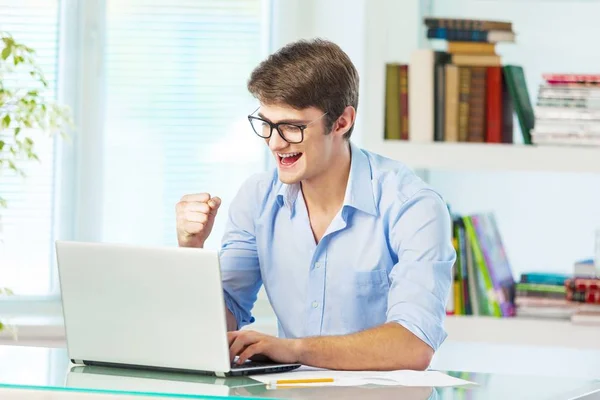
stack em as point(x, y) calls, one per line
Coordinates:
point(176, 108)
point(26, 238)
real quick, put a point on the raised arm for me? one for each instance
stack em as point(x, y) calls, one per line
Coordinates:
point(240, 270)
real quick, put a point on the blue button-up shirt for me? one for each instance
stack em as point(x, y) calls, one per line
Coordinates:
point(387, 255)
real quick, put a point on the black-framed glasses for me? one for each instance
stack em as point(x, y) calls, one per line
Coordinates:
point(291, 133)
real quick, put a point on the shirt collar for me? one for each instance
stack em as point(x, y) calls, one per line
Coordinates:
point(359, 191)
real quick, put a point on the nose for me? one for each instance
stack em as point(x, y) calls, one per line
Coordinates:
point(276, 142)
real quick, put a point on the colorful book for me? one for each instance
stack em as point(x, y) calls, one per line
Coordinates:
point(467, 23)
point(492, 297)
point(470, 35)
point(393, 130)
point(480, 48)
point(493, 132)
point(544, 278)
point(477, 115)
point(496, 261)
point(517, 88)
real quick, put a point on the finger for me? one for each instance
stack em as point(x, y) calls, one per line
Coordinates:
point(191, 228)
point(195, 206)
point(249, 351)
point(214, 204)
point(231, 336)
point(200, 197)
point(196, 217)
point(238, 345)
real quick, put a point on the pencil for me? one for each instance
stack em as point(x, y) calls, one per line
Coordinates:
point(295, 381)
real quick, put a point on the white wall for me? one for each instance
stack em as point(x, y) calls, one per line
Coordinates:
point(547, 219)
point(371, 32)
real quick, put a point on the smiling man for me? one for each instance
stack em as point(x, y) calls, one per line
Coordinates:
point(353, 249)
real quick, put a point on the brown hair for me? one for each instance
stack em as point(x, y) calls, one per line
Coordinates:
point(308, 73)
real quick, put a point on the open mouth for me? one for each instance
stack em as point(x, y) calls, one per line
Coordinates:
point(288, 159)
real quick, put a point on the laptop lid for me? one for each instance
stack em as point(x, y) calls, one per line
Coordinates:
point(157, 307)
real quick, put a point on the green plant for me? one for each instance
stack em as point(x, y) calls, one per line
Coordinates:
point(25, 109)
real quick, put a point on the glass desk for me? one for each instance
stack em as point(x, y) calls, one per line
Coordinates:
point(50, 370)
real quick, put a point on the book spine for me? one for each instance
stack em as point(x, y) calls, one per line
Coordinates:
point(404, 115)
point(569, 103)
point(567, 113)
point(392, 106)
point(491, 294)
point(476, 48)
point(451, 103)
point(467, 298)
point(583, 290)
point(463, 103)
point(490, 251)
point(459, 35)
point(494, 105)
point(476, 123)
point(540, 294)
point(517, 87)
point(440, 97)
point(507, 113)
point(571, 78)
point(471, 24)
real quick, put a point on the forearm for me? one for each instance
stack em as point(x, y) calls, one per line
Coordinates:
point(387, 347)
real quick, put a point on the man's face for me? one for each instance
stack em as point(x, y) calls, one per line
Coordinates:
point(299, 161)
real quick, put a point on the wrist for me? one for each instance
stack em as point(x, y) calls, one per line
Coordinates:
point(299, 349)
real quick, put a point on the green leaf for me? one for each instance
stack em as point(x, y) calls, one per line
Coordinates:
point(3, 203)
point(8, 41)
point(1, 144)
point(6, 121)
point(6, 52)
point(17, 131)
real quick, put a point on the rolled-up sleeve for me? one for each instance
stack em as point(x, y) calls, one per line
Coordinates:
point(240, 269)
point(421, 234)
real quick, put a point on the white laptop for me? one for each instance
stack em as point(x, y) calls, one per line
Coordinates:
point(147, 307)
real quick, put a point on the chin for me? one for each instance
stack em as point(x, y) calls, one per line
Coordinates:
point(289, 178)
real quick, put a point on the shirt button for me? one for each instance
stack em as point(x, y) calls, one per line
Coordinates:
point(318, 265)
point(315, 304)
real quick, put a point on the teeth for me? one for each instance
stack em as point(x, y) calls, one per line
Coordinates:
point(287, 155)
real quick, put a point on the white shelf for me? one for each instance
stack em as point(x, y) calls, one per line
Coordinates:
point(491, 157)
point(523, 332)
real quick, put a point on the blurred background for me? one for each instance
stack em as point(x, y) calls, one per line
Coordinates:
point(157, 91)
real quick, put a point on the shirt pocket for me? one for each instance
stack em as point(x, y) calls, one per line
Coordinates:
point(371, 283)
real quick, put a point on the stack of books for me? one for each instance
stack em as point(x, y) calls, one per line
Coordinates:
point(459, 92)
point(584, 293)
point(543, 295)
point(575, 297)
point(483, 280)
point(568, 110)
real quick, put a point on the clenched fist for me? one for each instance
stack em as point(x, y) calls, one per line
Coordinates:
point(195, 218)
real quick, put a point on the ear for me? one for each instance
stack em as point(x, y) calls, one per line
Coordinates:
point(344, 122)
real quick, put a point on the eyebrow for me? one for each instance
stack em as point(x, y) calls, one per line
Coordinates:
point(285, 121)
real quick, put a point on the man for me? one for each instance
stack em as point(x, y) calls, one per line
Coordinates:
point(354, 250)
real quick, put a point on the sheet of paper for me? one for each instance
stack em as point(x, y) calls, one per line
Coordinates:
point(357, 378)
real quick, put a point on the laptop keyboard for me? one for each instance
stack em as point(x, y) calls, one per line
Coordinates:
point(251, 364)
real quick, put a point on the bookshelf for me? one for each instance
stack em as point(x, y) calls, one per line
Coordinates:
point(522, 332)
point(490, 157)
